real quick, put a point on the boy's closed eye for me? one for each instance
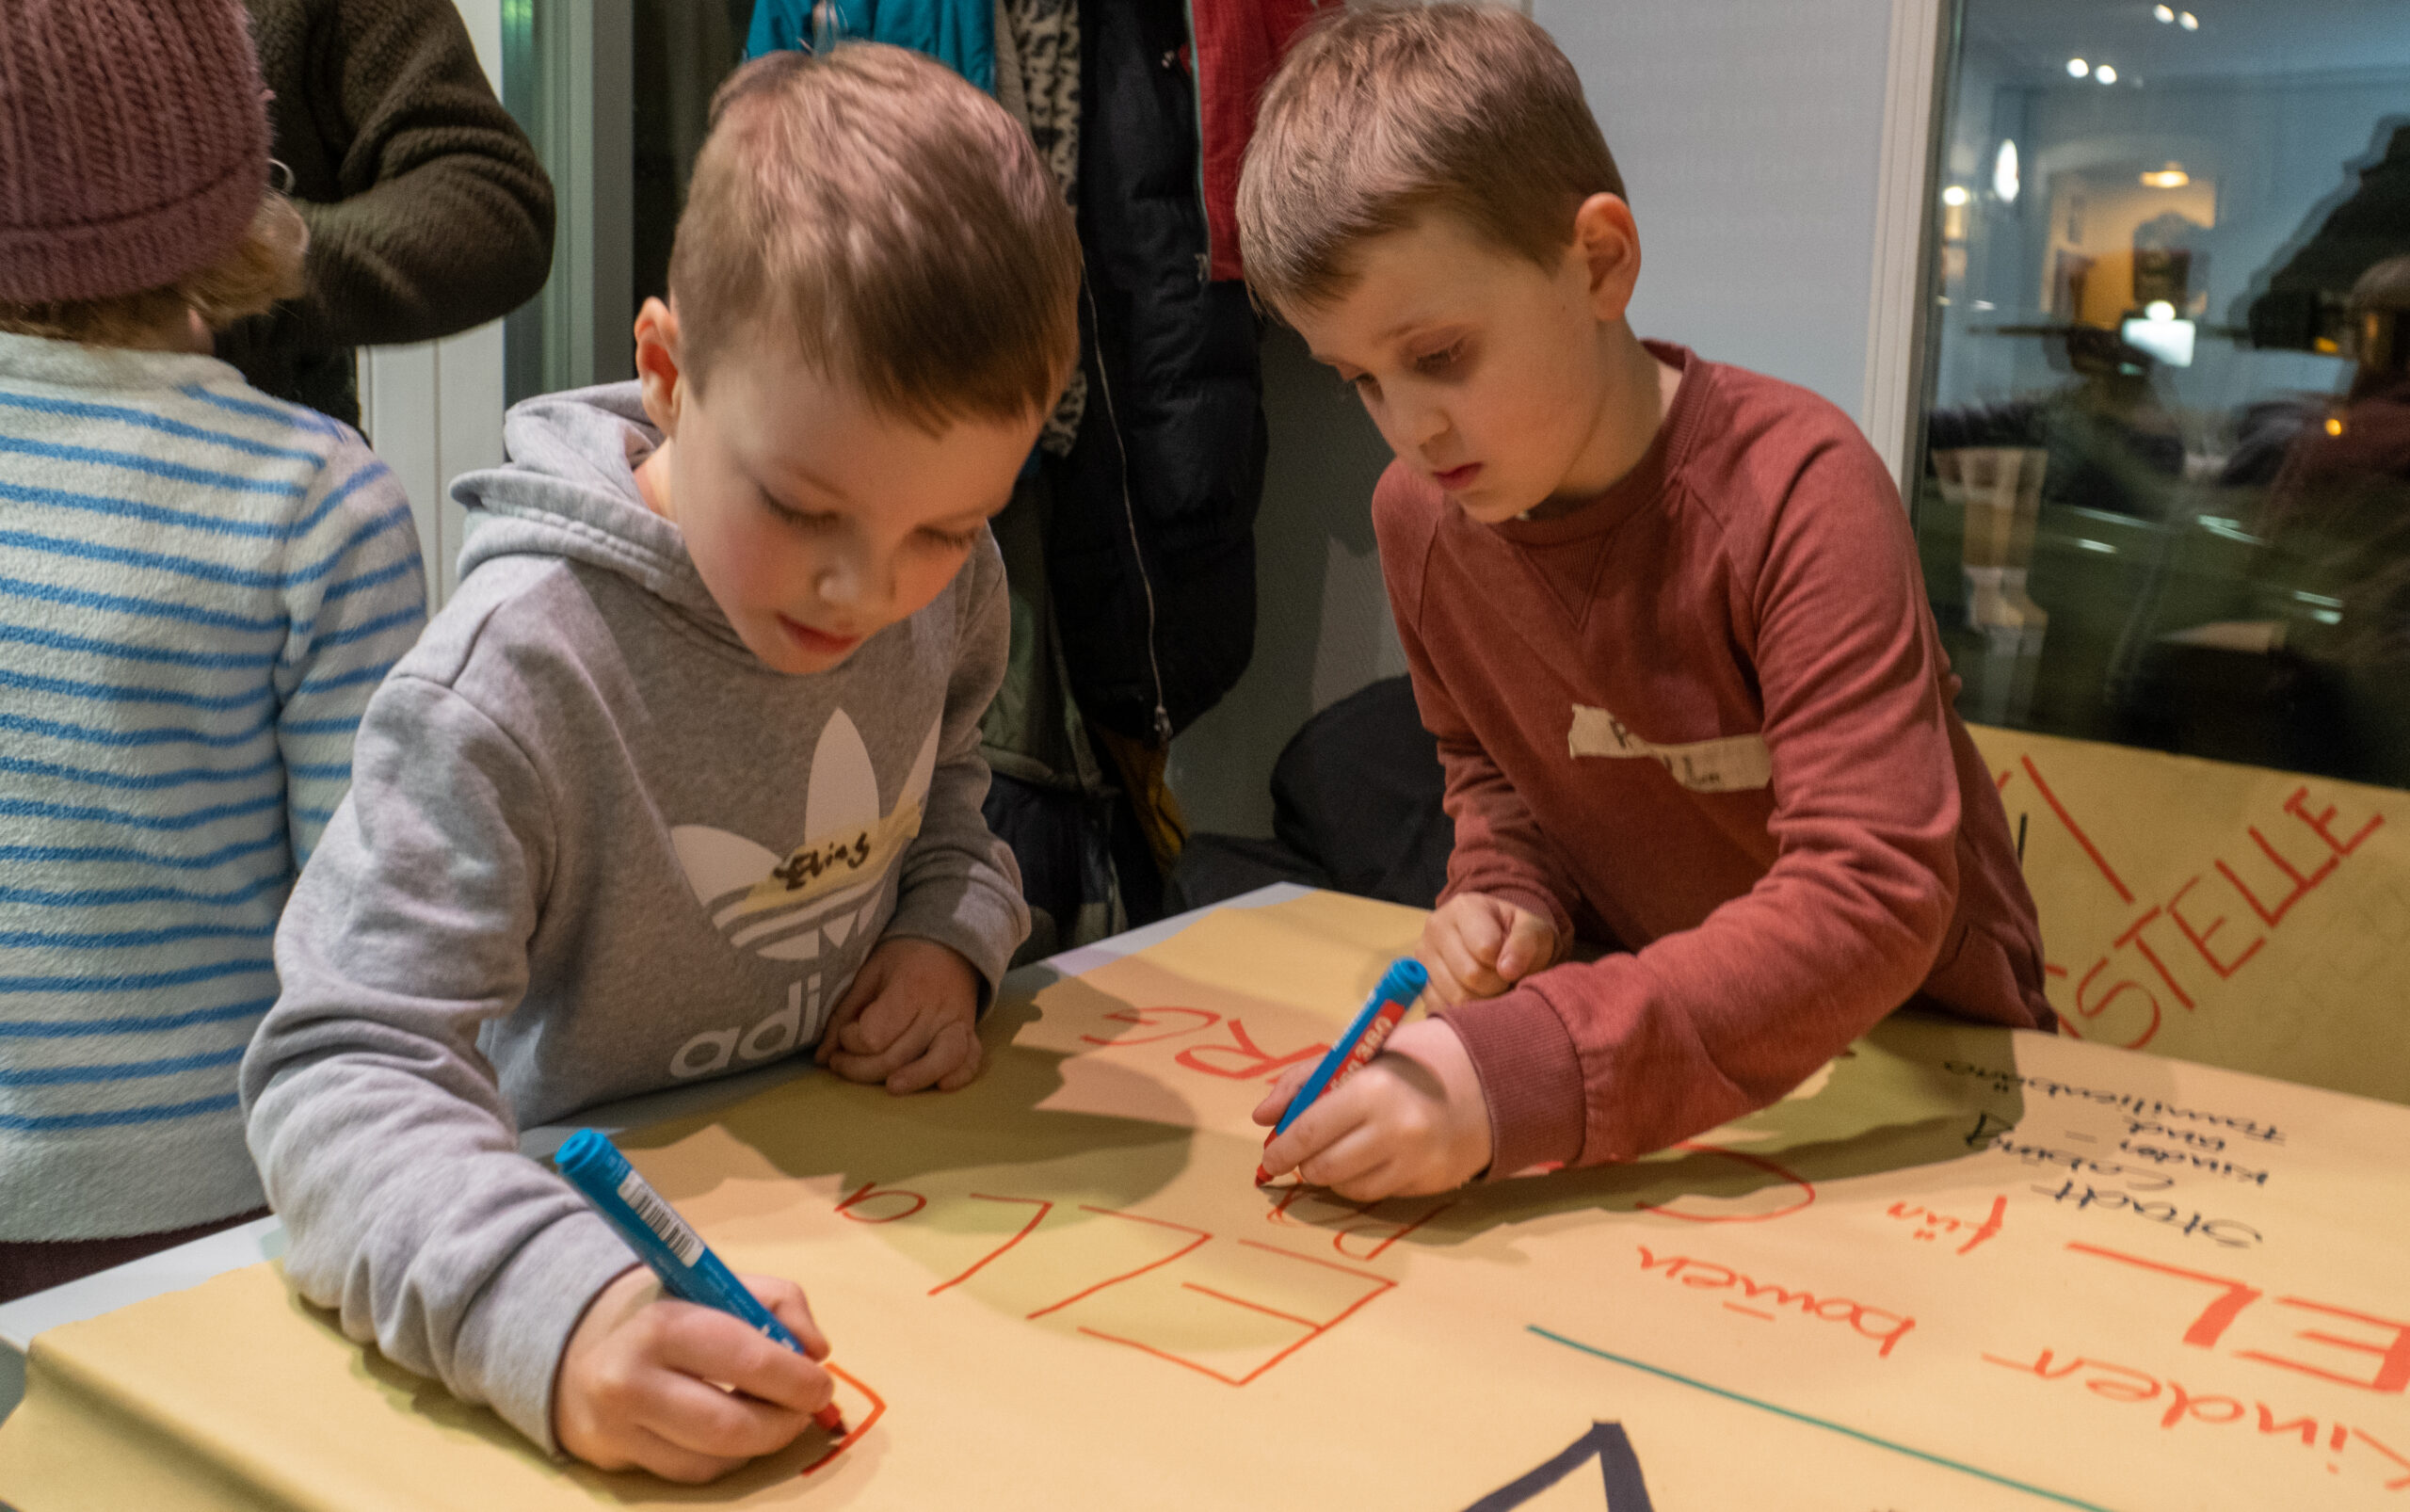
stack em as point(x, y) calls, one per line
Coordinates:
point(810, 522)
point(952, 541)
point(822, 522)
point(1358, 382)
point(1441, 360)
point(962, 532)
point(1448, 361)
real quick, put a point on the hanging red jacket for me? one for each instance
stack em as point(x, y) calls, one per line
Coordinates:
point(1239, 44)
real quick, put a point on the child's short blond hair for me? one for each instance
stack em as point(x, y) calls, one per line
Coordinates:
point(1382, 116)
point(894, 222)
point(248, 277)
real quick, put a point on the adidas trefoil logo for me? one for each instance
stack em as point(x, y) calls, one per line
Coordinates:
point(815, 897)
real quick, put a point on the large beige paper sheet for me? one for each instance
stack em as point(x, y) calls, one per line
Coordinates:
point(1960, 1269)
point(2243, 917)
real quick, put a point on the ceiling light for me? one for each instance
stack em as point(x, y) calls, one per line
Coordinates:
point(2005, 182)
point(2189, 20)
point(2077, 68)
point(2171, 177)
point(2159, 309)
point(2105, 74)
point(2166, 13)
point(1954, 196)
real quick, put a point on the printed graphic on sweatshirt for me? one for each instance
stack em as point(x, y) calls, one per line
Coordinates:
point(812, 899)
point(1730, 763)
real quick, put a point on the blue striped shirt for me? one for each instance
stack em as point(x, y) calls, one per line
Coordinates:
point(199, 587)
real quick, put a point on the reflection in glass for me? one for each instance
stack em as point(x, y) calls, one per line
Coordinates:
point(2165, 498)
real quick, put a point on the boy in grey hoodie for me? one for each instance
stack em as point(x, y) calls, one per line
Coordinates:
point(687, 777)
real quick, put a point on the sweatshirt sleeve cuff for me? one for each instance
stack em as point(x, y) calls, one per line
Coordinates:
point(977, 922)
point(508, 1350)
point(1531, 1076)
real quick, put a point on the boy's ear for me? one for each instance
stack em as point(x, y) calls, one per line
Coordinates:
point(658, 372)
point(1608, 244)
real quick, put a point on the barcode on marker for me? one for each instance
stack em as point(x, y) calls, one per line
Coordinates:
point(670, 1228)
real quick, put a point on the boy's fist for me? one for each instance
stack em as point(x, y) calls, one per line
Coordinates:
point(910, 1020)
point(687, 1392)
point(1412, 1120)
point(1477, 946)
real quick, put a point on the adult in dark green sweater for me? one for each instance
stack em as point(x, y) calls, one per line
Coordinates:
point(428, 211)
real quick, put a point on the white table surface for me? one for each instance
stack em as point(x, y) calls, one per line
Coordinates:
point(187, 1265)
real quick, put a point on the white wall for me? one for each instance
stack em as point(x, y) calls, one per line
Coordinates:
point(1749, 134)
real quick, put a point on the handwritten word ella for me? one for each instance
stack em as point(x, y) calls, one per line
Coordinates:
point(1886, 1328)
point(1188, 1283)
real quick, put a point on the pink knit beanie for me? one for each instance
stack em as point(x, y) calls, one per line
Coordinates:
point(133, 143)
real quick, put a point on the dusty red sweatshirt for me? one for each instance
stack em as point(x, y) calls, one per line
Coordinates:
point(1705, 719)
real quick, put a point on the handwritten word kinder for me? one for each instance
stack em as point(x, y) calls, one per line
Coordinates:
point(2126, 1386)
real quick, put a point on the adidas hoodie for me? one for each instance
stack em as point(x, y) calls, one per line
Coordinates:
point(593, 847)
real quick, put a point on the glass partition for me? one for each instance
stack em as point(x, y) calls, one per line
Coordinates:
point(2165, 492)
point(616, 95)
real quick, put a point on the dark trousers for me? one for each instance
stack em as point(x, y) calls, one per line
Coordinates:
point(27, 1266)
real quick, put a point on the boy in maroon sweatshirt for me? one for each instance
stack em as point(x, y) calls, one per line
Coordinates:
point(1665, 616)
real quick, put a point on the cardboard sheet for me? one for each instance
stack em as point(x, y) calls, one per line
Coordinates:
point(2243, 917)
point(1959, 1269)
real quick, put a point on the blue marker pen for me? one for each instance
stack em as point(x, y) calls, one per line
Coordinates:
point(1400, 986)
point(688, 1269)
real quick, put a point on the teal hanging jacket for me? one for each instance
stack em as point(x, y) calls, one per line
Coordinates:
point(962, 34)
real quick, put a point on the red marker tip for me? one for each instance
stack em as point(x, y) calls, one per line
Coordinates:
point(1263, 1177)
point(831, 1418)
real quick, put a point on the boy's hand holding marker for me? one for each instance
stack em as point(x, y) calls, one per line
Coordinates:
point(690, 1370)
point(1381, 1117)
point(686, 1391)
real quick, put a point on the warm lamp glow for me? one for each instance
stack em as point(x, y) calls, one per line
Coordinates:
point(2171, 177)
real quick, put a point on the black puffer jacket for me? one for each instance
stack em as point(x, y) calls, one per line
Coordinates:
point(1152, 545)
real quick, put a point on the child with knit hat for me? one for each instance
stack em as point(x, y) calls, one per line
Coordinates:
point(200, 586)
